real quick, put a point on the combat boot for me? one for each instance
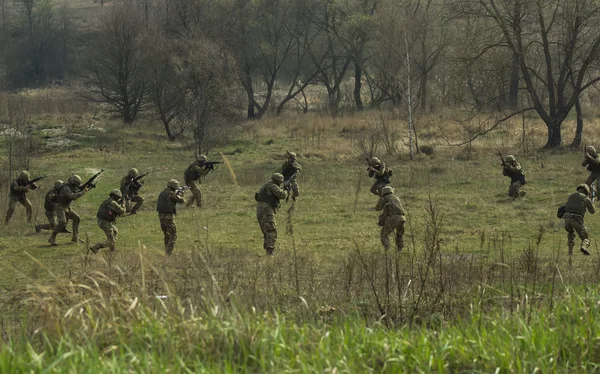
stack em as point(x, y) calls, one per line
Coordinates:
point(38, 229)
point(570, 250)
point(269, 251)
point(585, 251)
point(52, 240)
point(76, 239)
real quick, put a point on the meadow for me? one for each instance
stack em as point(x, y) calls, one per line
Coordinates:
point(483, 284)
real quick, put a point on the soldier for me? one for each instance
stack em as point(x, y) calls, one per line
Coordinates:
point(575, 208)
point(130, 187)
point(62, 208)
point(166, 208)
point(392, 218)
point(49, 202)
point(107, 215)
point(18, 193)
point(592, 162)
point(268, 201)
point(512, 169)
point(289, 170)
point(192, 177)
point(381, 173)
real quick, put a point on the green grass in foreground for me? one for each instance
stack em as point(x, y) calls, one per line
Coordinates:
point(146, 338)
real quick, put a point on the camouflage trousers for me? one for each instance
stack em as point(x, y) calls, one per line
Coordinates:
point(593, 177)
point(111, 232)
point(295, 189)
point(391, 224)
point(574, 224)
point(12, 203)
point(266, 219)
point(377, 187)
point(169, 229)
point(513, 190)
point(63, 214)
point(51, 215)
point(196, 194)
point(138, 200)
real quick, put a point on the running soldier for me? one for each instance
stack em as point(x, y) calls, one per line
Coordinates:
point(289, 169)
point(513, 170)
point(268, 198)
point(392, 218)
point(18, 194)
point(592, 162)
point(378, 170)
point(166, 207)
point(130, 187)
point(49, 202)
point(192, 177)
point(107, 215)
point(66, 195)
point(575, 209)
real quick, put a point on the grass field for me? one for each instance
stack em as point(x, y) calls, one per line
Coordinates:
point(330, 292)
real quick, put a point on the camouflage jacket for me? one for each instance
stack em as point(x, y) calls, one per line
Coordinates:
point(290, 168)
point(514, 171)
point(391, 206)
point(271, 193)
point(18, 188)
point(579, 203)
point(591, 162)
point(380, 171)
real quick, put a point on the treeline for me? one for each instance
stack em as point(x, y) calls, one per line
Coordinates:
point(197, 62)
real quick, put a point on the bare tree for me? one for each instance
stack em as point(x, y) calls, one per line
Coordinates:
point(116, 73)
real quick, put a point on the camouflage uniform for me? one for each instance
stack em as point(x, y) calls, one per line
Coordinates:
point(62, 208)
point(512, 169)
point(289, 169)
point(107, 216)
point(381, 173)
point(166, 208)
point(575, 208)
point(392, 218)
point(192, 176)
point(268, 202)
point(131, 191)
point(592, 162)
point(49, 202)
point(18, 194)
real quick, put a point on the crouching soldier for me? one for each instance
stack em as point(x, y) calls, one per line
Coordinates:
point(391, 219)
point(107, 215)
point(513, 170)
point(166, 208)
point(268, 198)
point(575, 208)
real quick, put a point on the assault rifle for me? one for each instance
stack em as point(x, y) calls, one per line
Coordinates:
point(368, 163)
point(210, 165)
point(181, 190)
point(134, 185)
point(287, 185)
point(89, 184)
point(32, 182)
point(501, 159)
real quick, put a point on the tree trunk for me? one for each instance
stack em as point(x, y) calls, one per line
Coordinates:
point(515, 75)
point(579, 130)
point(554, 136)
point(357, 87)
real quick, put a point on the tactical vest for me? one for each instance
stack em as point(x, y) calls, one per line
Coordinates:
point(165, 204)
point(15, 192)
point(593, 167)
point(51, 197)
point(385, 176)
point(393, 207)
point(576, 204)
point(265, 196)
point(191, 173)
point(105, 213)
point(60, 198)
point(288, 171)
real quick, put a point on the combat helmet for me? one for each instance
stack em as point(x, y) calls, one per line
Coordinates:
point(201, 158)
point(387, 190)
point(24, 175)
point(591, 150)
point(510, 158)
point(74, 180)
point(585, 187)
point(374, 161)
point(116, 193)
point(277, 178)
point(292, 155)
point(58, 183)
point(173, 184)
point(133, 172)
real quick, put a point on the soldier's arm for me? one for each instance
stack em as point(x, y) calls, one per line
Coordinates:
point(593, 161)
point(380, 171)
point(585, 161)
point(277, 191)
point(590, 206)
point(380, 204)
point(176, 198)
point(124, 181)
point(116, 208)
point(18, 188)
point(66, 192)
point(297, 166)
